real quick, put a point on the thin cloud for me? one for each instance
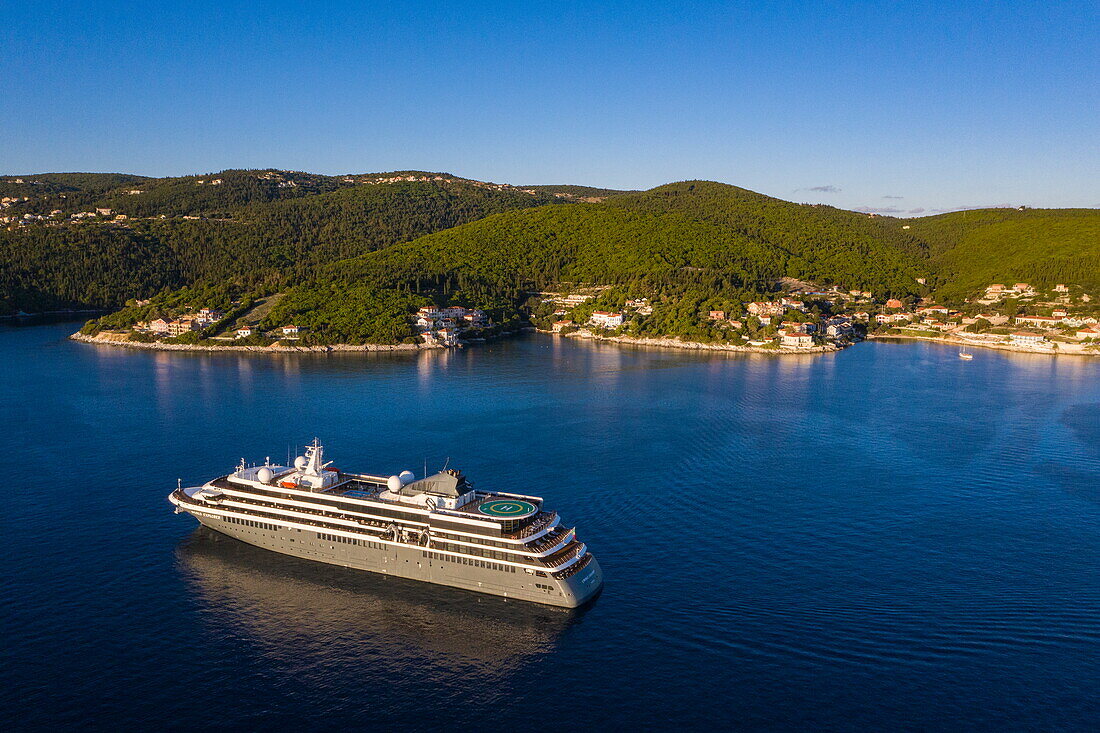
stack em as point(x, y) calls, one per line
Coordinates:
point(893, 198)
point(879, 210)
point(820, 189)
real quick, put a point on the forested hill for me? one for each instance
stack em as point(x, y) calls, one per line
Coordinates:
point(681, 235)
point(250, 228)
point(970, 249)
point(96, 240)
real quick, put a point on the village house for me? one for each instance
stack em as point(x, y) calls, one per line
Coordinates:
point(290, 331)
point(604, 319)
point(793, 327)
point(796, 339)
point(717, 315)
point(1040, 321)
point(1061, 288)
point(476, 319)
point(766, 308)
point(559, 325)
point(160, 325)
point(1028, 338)
point(244, 332)
point(1088, 332)
point(208, 316)
point(181, 325)
point(894, 303)
point(1059, 313)
point(1022, 288)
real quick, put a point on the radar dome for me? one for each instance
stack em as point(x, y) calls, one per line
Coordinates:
point(393, 483)
point(265, 475)
point(407, 477)
point(300, 462)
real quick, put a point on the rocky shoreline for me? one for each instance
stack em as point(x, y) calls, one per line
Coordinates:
point(1063, 348)
point(675, 343)
point(114, 339)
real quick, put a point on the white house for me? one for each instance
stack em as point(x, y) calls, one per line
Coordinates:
point(796, 339)
point(244, 332)
point(1028, 338)
point(603, 319)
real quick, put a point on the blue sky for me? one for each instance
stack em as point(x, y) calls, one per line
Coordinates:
point(910, 108)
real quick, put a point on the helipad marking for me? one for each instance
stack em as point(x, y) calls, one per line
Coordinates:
point(507, 508)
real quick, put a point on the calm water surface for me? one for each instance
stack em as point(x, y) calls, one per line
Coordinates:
point(886, 537)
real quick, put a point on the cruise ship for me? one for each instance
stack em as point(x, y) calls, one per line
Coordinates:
point(437, 529)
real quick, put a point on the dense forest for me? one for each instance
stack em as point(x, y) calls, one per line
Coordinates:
point(253, 235)
point(353, 255)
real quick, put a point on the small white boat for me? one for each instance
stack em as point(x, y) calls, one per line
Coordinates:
point(966, 355)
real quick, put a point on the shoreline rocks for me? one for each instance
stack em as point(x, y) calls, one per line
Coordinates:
point(114, 339)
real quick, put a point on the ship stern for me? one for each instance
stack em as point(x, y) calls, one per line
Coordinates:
point(582, 587)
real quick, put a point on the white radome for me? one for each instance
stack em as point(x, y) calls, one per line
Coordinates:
point(394, 483)
point(300, 462)
point(407, 477)
point(265, 475)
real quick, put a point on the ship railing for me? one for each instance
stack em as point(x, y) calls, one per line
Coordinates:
point(574, 550)
point(546, 542)
point(537, 500)
point(541, 521)
point(574, 568)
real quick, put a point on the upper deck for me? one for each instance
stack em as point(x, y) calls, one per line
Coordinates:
point(446, 499)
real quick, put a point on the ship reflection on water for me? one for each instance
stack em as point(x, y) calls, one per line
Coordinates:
point(316, 616)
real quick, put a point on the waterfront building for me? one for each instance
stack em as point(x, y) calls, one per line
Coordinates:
point(1028, 338)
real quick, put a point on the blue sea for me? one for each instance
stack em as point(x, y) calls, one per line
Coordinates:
point(883, 538)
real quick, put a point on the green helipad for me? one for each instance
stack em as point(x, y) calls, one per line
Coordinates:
point(507, 508)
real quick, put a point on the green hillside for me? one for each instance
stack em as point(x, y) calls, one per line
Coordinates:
point(696, 232)
point(971, 249)
point(246, 230)
point(354, 253)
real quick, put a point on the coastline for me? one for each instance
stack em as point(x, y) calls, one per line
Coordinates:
point(1062, 350)
point(114, 339)
point(670, 342)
